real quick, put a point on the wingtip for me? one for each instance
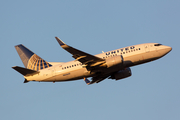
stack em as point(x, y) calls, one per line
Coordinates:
point(25, 81)
point(60, 41)
point(14, 67)
point(87, 81)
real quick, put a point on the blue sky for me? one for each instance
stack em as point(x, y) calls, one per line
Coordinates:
point(152, 92)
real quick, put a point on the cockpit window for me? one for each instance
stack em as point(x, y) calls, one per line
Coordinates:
point(157, 44)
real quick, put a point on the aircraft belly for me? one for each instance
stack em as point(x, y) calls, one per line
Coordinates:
point(73, 75)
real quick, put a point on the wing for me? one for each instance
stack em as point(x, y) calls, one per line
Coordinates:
point(96, 79)
point(86, 59)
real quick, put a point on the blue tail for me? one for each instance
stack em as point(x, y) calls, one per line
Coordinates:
point(30, 59)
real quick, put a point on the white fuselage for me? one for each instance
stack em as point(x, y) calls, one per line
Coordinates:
point(73, 70)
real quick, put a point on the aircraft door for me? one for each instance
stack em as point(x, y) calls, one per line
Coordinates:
point(146, 47)
point(53, 72)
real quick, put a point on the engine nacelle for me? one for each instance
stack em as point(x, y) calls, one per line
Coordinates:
point(122, 74)
point(116, 60)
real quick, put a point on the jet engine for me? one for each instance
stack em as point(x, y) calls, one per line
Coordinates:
point(121, 74)
point(114, 61)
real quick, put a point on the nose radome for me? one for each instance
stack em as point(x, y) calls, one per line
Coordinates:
point(168, 49)
point(165, 50)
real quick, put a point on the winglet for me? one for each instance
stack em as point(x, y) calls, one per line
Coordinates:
point(87, 81)
point(60, 41)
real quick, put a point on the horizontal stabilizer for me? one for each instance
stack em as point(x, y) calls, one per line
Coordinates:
point(25, 71)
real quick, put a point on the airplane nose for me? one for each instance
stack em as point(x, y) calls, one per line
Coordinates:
point(165, 50)
point(168, 49)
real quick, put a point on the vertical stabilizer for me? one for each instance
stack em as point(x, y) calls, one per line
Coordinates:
point(30, 59)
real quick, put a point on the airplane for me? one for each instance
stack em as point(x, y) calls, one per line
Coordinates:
point(113, 64)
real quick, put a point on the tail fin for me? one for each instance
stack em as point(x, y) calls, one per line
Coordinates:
point(30, 59)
